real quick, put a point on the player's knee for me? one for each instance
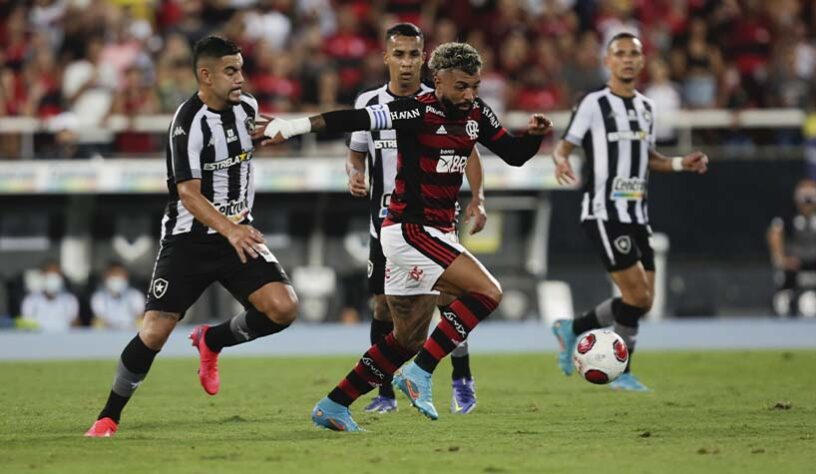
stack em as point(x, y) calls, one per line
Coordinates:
point(154, 334)
point(282, 310)
point(643, 299)
point(411, 340)
point(381, 310)
point(493, 291)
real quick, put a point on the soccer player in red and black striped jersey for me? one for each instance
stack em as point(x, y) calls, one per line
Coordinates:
point(436, 133)
point(404, 55)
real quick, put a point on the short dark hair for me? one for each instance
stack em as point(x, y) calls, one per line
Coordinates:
point(404, 29)
point(212, 47)
point(621, 35)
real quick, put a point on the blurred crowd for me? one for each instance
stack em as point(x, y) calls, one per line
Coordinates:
point(98, 58)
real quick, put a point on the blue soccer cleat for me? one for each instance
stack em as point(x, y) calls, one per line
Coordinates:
point(563, 332)
point(416, 384)
point(630, 383)
point(334, 416)
point(463, 398)
point(381, 404)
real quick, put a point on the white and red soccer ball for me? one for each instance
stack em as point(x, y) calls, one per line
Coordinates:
point(600, 356)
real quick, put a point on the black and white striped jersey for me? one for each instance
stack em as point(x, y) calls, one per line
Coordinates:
point(215, 147)
point(616, 134)
point(381, 146)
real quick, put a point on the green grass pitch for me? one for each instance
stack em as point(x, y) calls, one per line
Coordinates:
point(712, 412)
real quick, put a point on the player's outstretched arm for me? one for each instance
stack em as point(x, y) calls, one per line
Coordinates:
point(475, 210)
point(696, 162)
point(402, 114)
point(513, 150)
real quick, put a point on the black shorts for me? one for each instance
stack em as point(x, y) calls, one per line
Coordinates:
point(621, 245)
point(376, 267)
point(187, 265)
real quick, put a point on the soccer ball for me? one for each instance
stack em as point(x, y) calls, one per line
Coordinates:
point(600, 356)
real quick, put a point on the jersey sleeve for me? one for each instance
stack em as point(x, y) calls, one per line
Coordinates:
point(513, 150)
point(652, 124)
point(580, 121)
point(358, 141)
point(186, 143)
point(401, 115)
point(250, 100)
point(490, 128)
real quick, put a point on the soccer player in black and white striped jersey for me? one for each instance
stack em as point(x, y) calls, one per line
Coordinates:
point(206, 233)
point(404, 57)
point(616, 128)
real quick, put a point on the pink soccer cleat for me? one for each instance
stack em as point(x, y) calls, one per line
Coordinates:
point(208, 366)
point(102, 428)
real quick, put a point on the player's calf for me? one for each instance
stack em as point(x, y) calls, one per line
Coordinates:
point(457, 321)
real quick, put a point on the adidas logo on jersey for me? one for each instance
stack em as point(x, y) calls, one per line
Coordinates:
point(441, 130)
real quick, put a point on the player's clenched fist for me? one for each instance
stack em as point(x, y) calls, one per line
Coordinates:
point(539, 124)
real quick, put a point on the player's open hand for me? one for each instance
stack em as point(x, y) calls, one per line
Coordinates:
point(696, 162)
point(539, 125)
point(563, 172)
point(357, 184)
point(244, 238)
point(270, 131)
point(476, 212)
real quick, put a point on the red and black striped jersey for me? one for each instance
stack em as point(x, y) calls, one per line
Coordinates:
point(432, 151)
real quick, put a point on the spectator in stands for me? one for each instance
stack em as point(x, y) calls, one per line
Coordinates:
point(137, 96)
point(582, 71)
point(116, 304)
point(273, 79)
point(64, 143)
point(730, 53)
point(174, 73)
point(38, 87)
point(666, 96)
point(792, 245)
point(270, 23)
point(88, 85)
point(699, 63)
point(348, 48)
point(52, 308)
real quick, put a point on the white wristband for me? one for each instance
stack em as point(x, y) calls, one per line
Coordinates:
point(301, 126)
point(677, 163)
point(288, 128)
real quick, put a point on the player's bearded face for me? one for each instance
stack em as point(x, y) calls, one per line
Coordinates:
point(457, 90)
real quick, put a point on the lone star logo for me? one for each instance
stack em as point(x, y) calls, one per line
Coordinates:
point(159, 287)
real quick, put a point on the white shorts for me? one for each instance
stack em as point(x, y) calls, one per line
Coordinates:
point(416, 256)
